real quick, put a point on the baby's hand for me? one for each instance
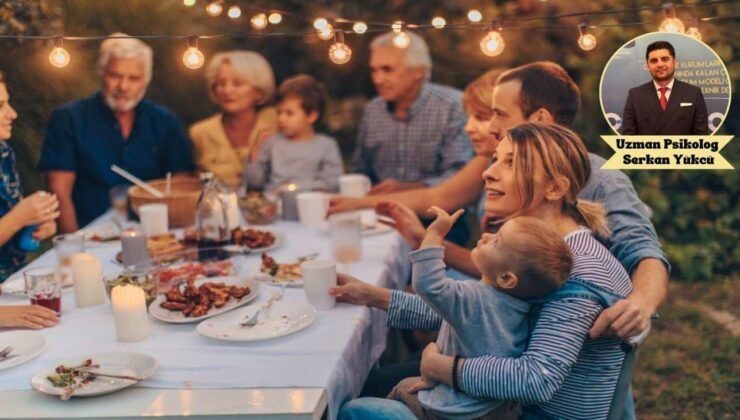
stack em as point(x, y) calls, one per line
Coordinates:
point(441, 226)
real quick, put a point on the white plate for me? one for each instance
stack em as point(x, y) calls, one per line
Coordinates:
point(266, 278)
point(376, 230)
point(106, 232)
point(26, 344)
point(117, 363)
point(279, 239)
point(282, 318)
point(177, 317)
point(16, 286)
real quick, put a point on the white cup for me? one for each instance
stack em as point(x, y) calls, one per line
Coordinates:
point(153, 219)
point(312, 207)
point(369, 219)
point(318, 277)
point(354, 185)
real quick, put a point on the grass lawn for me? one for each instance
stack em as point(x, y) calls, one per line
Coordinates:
point(689, 366)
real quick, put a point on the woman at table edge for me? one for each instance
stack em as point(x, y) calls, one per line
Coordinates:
point(15, 214)
point(538, 170)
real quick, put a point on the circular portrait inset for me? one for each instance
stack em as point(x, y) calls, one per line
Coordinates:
point(665, 84)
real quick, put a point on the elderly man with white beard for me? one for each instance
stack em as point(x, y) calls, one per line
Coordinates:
point(114, 126)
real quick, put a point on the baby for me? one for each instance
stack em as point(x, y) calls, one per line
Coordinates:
point(524, 259)
point(297, 154)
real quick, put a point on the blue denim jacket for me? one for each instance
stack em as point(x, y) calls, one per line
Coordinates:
point(633, 236)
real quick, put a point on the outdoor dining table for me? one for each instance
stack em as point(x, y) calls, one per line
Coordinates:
point(302, 375)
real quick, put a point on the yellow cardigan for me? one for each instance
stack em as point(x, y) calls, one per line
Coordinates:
point(215, 153)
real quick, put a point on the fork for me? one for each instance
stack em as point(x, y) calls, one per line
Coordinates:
point(254, 319)
point(5, 354)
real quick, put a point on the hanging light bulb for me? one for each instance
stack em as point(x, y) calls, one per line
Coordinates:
point(492, 44)
point(59, 57)
point(401, 40)
point(397, 26)
point(275, 18)
point(693, 30)
point(214, 8)
point(439, 22)
point(586, 41)
point(234, 12)
point(188, 3)
point(327, 33)
point(339, 52)
point(320, 23)
point(475, 16)
point(193, 58)
point(259, 21)
point(671, 23)
point(359, 27)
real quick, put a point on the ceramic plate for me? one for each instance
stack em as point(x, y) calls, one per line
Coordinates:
point(266, 278)
point(117, 363)
point(376, 230)
point(26, 345)
point(105, 232)
point(177, 317)
point(282, 318)
point(279, 239)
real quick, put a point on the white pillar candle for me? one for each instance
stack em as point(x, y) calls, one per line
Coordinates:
point(153, 219)
point(87, 274)
point(129, 313)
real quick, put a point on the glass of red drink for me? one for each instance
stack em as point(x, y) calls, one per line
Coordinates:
point(44, 287)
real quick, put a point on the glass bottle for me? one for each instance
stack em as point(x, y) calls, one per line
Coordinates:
point(211, 220)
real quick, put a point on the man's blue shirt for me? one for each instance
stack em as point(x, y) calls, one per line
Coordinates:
point(84, 137)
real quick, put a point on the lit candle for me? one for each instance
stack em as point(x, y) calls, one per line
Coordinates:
point(290, 203)
point(87, 274)
point(129, 313)
point(133, 244)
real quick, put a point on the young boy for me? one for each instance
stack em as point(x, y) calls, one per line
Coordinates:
point(297, 154)
point(525, 259)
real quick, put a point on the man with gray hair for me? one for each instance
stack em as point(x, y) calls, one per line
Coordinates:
point(113, 126)
point(412, 135)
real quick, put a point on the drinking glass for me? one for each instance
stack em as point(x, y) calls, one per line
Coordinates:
point(44, 287)
point(119, 201)
point(346, 233)
point(66, 246)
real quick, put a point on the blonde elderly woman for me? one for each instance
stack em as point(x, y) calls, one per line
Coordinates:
point(240, 83)
point(113, 126)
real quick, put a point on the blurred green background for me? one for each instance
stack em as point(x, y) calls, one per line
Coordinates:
point(696, 213)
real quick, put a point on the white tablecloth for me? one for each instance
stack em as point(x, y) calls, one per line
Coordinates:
point(336, 352)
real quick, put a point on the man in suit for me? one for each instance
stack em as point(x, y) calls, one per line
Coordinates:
point(664, 106)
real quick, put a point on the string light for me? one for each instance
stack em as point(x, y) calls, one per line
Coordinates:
point(693, 30)
point(339, 52)
point(327, 33)
point(259, 21)
point(586, 41)
point(439, 22)
point(397, 26)
point(188, 3)
point(59, 57)
point(320, 24)
point(359, 27)
point(275, 18)
point(671, 23)
point(214, 8)
point(234, 12)
point(193, 58)
point(401, 40)
point(492, 44)
point(475, 16)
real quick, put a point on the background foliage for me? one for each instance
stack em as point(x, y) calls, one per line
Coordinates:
point(695, 212)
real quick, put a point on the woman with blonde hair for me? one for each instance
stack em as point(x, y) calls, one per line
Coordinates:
point(241, 84)
point(538, 170)
point(18, 213)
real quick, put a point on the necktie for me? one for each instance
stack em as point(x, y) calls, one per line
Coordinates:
point(663, 99)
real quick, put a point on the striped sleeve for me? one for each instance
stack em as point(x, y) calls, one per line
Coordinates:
point(408, 311)
point(539, 372)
